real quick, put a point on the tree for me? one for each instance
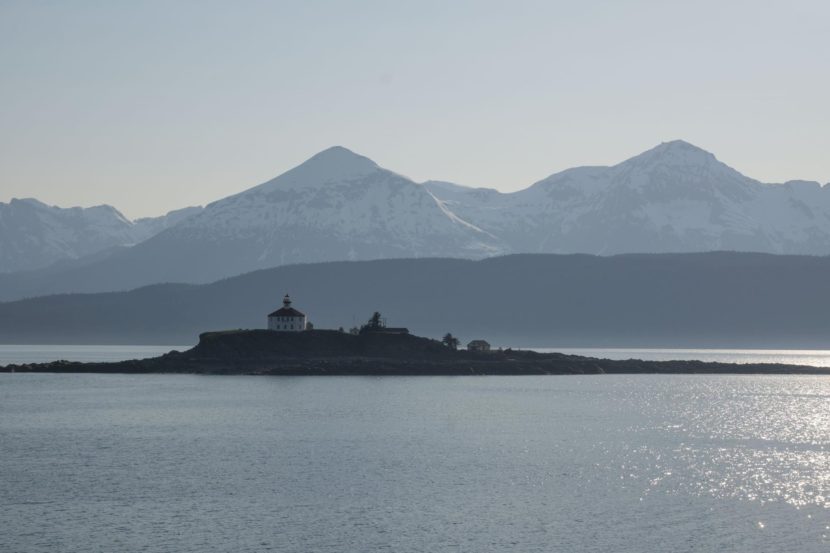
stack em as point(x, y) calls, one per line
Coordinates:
point(375, 321)
point(450, 341)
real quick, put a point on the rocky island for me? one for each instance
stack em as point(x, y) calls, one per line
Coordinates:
point(332, 352)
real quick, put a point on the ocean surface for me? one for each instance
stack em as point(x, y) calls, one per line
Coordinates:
point(817, 358)
point(17, 354)
point(811, 357)
point(622, 463)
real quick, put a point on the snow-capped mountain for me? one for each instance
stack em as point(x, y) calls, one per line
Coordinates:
point(339, 205)
point(34, 235)
point(673, 198)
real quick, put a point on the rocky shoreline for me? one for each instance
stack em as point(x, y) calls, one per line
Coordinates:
point(333, 353)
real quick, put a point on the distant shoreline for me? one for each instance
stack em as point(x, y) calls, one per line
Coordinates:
point(333, 353)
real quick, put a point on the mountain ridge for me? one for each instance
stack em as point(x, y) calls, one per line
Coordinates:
point(340, 205)
point(35, 235)
point(731, 300)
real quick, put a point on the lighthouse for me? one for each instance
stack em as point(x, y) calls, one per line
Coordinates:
point(286, 318)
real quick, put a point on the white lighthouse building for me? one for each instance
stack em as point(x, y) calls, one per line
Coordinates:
point(286, 318)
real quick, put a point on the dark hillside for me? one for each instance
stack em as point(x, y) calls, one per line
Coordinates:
point(668, 300)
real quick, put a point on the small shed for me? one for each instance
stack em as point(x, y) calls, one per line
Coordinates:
point(478, 345)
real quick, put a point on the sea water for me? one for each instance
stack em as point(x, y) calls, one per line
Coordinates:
point(18, 354)
point(810, 357)
point(624, 463)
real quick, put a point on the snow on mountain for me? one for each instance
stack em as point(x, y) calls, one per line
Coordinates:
point(337, 205)
point(35, 235)
point(147, 227)
point(453, 193)
point(675, 197)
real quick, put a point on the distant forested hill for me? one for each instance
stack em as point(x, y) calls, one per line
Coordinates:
point(695, 300)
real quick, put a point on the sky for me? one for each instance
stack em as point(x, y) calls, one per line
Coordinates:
point(155, 105)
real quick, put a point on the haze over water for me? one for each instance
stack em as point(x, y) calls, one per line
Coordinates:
point(602, 463)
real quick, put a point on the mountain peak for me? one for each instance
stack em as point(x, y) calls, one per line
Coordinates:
point(332, 164)
point(27, 201)
point(341, 159)
point(679, 145)
point(673, 153)
point(679, 148)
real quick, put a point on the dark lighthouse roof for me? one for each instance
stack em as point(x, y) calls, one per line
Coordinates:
point(286, 310)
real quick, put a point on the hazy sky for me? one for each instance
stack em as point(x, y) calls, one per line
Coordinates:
point(152, 106)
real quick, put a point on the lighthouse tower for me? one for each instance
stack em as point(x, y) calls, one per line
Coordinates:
point(286, 318)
